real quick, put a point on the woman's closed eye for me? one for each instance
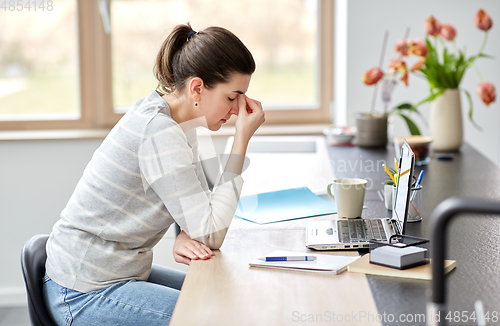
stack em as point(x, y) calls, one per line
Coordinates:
point(232, 99)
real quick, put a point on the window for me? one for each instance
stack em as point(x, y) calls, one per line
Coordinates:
point(39, 60)
point(79, 76)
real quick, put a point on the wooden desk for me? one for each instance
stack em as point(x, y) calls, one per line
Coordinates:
point(226, 291)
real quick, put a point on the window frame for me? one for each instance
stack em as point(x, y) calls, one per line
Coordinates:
point(95, 73)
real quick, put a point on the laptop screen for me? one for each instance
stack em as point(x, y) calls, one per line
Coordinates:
point(400, 210)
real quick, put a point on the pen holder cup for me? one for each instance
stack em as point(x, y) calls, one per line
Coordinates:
point(402, 241)
point(414, 211)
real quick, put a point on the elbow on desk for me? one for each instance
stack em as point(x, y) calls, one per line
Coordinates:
point(214, 240)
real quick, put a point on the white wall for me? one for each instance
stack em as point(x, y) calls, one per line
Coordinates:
point(364, 28)
point(36, 180)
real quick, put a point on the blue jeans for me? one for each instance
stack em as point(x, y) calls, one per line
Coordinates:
point(125, 303)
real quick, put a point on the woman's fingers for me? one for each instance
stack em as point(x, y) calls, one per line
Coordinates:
point(242, 104)
point(254, 105)
point(250, 116)
point(181, 259)
point(204, 249)
point(198, 250)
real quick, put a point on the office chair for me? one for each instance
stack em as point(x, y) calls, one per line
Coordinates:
point(33, 260)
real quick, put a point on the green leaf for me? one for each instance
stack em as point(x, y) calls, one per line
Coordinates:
point(482, 55)
point(431, 77)
point(431, 97)
point(411, 125)
point(470, 110)
point(460, 60)
point(421, 116)
point(445, 57)
point(404, 106)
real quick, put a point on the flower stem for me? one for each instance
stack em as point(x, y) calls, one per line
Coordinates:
point(420, 75)
point(455, 47)
point(478, 73)
point(484, 42)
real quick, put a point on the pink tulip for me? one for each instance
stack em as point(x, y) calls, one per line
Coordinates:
point(448, 32)
point(418, 48)
point(483, 20)
point(418, 65)
point(404, 78)
point(486, 92)
point(402, 47)
point(372, 76)
point(399, 66)
point(432, 26)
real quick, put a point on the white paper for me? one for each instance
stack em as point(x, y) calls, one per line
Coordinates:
point(331, 264)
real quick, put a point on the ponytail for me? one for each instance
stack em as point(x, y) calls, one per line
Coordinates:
point(212, 54)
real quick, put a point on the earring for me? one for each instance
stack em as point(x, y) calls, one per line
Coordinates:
point(195, 104)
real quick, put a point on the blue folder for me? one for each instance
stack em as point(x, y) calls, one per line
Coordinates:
point(283, 205)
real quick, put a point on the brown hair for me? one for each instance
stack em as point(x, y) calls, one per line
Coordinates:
point(212, 54)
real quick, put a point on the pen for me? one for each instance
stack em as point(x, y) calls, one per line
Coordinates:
point(414, 193)
point(419, 178)
point(289, 258)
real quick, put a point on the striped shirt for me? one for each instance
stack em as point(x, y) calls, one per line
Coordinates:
point(145, 175)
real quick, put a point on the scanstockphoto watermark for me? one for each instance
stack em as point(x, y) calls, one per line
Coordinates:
point(355, 317)
point(26, 5)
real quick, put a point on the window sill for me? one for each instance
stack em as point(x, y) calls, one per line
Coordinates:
point(53, 134)
point(267, 130)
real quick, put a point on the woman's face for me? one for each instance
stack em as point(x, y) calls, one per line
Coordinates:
point(219, 103)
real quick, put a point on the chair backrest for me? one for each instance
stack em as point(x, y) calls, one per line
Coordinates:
point(33, 260)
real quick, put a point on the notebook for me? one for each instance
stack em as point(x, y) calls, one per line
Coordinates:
point(356, 233)
point(329, 264)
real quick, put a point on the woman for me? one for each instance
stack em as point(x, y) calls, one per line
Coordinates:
point(146, 175)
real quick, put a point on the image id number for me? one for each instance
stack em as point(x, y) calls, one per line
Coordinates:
point(26, 5)
point(465, 316)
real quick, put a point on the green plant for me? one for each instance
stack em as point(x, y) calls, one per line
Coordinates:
point(442, 72)
point(446, 71)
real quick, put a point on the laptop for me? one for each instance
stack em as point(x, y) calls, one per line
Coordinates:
point(346, 234)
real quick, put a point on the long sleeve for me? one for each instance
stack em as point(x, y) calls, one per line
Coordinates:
point(169, 165)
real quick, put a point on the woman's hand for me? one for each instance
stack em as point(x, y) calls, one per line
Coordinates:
point(250, 117)
point(187, 249)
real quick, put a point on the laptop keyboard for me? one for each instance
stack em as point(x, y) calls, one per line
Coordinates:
point(361, 230)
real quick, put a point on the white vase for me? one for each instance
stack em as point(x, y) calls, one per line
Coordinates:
point(445, 122)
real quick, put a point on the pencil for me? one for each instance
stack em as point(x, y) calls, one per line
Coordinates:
point(396, 165)
point(389, 173)
point(402, 174)
point(416, 210)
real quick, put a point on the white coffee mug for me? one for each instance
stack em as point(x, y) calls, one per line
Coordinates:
point(349, 196)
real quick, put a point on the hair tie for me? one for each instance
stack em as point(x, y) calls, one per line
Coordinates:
point(191, 34)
